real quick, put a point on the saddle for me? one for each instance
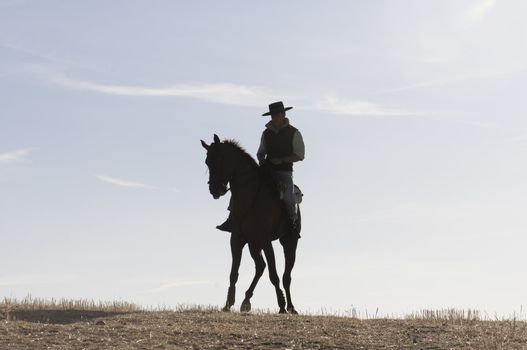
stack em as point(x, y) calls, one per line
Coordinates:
point(297, 198)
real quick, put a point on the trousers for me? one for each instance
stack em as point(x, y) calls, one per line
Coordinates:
point(285, 181)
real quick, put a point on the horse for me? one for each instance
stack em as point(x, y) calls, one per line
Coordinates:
point(258, 218)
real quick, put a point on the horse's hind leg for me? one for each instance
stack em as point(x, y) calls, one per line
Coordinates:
point(259, 263)
point(273, 276)
point(289, 244)
point(236, 252)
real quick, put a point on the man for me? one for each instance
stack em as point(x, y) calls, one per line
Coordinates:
point(281, 145)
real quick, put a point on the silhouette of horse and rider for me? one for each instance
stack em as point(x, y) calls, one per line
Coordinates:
point(262, 206)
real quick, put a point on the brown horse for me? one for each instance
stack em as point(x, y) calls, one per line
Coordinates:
point(258, 217)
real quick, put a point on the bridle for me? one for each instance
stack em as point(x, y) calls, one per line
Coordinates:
point(217, 179)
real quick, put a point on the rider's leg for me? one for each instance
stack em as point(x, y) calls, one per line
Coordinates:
point(226, 226)
point(285, 178)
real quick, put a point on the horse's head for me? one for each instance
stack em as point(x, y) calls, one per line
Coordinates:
point(218, 171)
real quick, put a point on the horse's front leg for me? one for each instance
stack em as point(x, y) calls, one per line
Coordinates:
point(236, 251)
point(273, 275)
point(289, 243)
point(259, 263)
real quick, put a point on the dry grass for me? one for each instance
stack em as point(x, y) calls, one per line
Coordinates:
point(66, 324)
point(34, 304)
point(451, 315)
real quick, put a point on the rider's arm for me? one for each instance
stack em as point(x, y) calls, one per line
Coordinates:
point(298, 146)
point(261, 150)
point(290, 159)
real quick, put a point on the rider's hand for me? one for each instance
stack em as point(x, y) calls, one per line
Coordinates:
point(276, 161)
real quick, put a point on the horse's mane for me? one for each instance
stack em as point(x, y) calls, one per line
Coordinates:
point(236, 145)
point(263, 171)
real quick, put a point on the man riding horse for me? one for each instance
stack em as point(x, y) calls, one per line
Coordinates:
point(281, 145)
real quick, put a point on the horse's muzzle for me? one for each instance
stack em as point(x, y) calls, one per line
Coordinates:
point(217, 190)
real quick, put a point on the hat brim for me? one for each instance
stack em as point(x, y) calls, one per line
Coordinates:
point(282, 110)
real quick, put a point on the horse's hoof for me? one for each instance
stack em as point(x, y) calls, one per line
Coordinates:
point(226, 309)
point(246, 306)
point(282, 311)
point(292, 311)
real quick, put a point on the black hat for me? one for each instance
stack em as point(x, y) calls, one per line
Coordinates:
point(276, 107)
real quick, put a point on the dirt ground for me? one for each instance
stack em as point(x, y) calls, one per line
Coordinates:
point(76, 329)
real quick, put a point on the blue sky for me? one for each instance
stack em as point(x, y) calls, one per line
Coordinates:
point(412, 113)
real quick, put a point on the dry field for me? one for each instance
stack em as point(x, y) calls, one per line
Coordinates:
point(36, 324)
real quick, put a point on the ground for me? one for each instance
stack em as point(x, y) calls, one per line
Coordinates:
point(208, 328)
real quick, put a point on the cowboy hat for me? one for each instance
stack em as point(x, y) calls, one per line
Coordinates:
point(276, 107)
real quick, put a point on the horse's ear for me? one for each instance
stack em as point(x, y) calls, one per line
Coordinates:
point(205, 145)
point(216, 139)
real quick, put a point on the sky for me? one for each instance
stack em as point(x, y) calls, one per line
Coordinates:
point(412, 113)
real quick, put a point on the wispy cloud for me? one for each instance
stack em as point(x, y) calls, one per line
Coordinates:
point(334, 105)
point(255, 96)
point(225, 93)
point(167, 286)
point(19, 155)
point(232, 94)
point(131, 184)
point(480, 9)
point(358, 108)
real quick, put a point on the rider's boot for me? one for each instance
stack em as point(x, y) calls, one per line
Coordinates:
point(226, 226)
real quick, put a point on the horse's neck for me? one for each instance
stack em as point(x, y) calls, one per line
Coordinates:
point(244, 189)
point(245, 179)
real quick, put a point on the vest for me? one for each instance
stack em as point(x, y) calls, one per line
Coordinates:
point(279, 145)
